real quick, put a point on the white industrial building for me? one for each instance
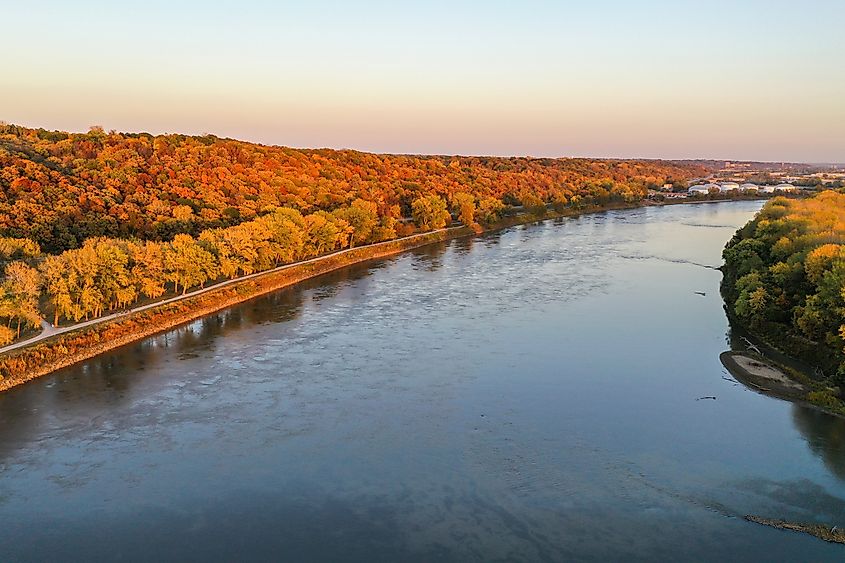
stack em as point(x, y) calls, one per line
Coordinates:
point(703, 188)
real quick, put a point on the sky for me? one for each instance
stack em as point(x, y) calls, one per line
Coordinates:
point(741, 80)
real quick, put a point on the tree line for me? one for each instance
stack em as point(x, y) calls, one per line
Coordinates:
point(59, 189)
point(108, 274)
point(784, 277)
point(98, 222)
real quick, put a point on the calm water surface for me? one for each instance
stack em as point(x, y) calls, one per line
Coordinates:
point(527, 395)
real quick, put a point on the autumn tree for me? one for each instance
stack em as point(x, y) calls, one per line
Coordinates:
point(22, 287)
point(148, 268)
point(362, 218)
point(60, 284)
point(7, 335)
point(430, 213)
point(489, 210)
point(187, 265)
point(559, 201)
point(534, 205)
point(463, 205)
point(18, 249)
point(113, 280)
point(285, 229)
point(320, 235)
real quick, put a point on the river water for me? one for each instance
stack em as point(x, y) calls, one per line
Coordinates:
point(534, 394)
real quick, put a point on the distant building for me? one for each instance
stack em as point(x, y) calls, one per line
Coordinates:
point(828, 177)
point(779, 188)
point(701, 188)
point(667, 187)
point(748, 187)
point(728, 187)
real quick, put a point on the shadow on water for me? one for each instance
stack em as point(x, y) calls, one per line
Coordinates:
point(430, 258)
point(799, 500)
point(462, 246)
point(825, 435)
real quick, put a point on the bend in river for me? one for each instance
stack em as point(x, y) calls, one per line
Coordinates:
point(533, 394)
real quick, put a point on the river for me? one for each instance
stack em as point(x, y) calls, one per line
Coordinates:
point(532, 394)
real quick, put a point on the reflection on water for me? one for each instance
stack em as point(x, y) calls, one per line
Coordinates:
point(105, 379)
point(525, 395)
point(825, 436)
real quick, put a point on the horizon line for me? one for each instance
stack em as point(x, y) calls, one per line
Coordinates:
point(427, 154)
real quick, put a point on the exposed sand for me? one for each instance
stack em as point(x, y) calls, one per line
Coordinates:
point(765, 371)
point(763, 376)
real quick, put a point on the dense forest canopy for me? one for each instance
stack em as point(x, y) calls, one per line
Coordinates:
point(785, 277)
point(60, 188)
point(94, 222)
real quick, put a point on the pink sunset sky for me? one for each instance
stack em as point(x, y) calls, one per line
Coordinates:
point(749, 80)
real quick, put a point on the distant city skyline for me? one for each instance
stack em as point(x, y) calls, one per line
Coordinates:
point(717, 80)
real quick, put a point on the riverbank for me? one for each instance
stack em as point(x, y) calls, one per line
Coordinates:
point(63, 347)
point(755, 371)
point(81, 343)
point(772, 378)
point(298, 392)
point(766, 369)
point(781, 289)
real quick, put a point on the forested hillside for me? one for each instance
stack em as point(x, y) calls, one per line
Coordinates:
point(785, 278)
point(98, 221)
point(60, 188)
